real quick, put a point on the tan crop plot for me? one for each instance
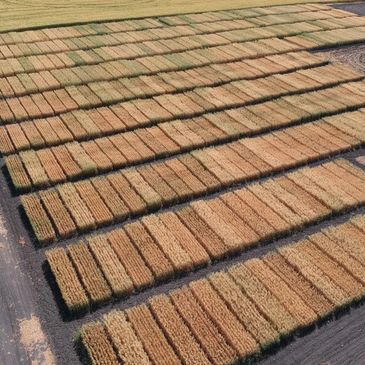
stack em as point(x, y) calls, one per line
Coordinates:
point(223, 314)
point(147, 149)
point(151, 249)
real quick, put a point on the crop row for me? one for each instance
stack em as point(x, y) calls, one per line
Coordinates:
point(302, 21)
point(260, 42)
point(159, 246)
point(234, 314)
point(147, 188)
point(201, 104)
point(170, 49)
point(265, 16)
point(181, 178)
point(102, 94)
point(103, 74)
point(67, 162)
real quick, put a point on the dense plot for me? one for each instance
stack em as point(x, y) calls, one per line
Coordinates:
point(236, 313)
point(167, 244)
point(198, 127)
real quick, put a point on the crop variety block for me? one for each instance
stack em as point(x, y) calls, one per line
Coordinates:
point(235, 313)
point(165, 127)
point(81, 129)
point(147, 251)
point(232, 163)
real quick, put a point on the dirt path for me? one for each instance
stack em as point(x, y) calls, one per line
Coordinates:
point(357, 8)
point(22, 340)
point(340, 342)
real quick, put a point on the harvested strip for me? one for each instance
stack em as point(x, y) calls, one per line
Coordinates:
point(202, 327)
point(177, 332)
point(59, 215)
point(68, 283)
point(18, 175)
point(309, 293)
point(244, 309)
point(97, 344)
point(89, 272)
point(233, 331)
point(110, 265)
point(76, 207)
point(151, 336)
point(38, 218)
point(129, 347)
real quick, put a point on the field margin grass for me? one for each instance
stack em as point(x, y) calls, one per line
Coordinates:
point(38, 14)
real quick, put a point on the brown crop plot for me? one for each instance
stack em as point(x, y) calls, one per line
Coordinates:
point(212, 308)
point(154, 159)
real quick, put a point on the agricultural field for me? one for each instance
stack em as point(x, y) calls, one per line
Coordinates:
point(182, 189)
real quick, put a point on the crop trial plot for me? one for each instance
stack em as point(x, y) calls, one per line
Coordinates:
point(171, 150)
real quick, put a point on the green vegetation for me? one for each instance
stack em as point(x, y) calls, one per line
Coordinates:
point(40, 13)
